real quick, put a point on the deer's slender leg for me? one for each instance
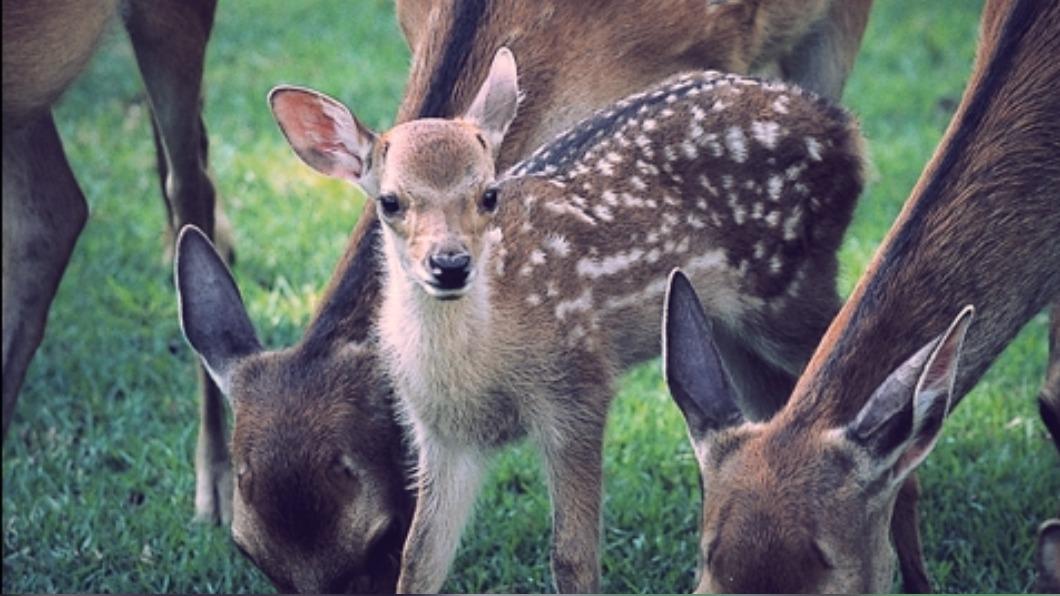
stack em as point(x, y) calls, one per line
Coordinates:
point(449, 480)
point(43, 214)
point(905, 531)
point(169, 38)
point(573, 462)
point(1049, 397)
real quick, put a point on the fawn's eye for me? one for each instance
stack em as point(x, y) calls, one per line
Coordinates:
point(489, 199)
point(390, 204)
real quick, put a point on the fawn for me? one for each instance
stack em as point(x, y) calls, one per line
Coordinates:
point(803, 502)
point(510, 304)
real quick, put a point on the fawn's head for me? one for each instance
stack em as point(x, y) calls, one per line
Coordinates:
point(320, 502)
point(431, 178)
point(790, 508)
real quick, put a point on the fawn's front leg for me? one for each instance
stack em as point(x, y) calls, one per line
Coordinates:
point(448, 482)
point(573, 462)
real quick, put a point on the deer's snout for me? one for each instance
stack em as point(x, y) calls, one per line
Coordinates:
point(450, 268)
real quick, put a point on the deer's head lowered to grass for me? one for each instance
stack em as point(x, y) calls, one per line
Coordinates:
point(803, 501)
point(319, 503)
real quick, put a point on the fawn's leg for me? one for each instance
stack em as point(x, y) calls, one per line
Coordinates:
point(573, 452)
point(43, 214)
point(169, 38)
point(449, 480)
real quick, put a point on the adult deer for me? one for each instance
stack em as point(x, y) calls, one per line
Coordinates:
point(45, 46)
point(510, 305)
point(803, 502)
point(635, 44)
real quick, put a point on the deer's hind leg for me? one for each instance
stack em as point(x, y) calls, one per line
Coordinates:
point(169, 38)
point(43, 214)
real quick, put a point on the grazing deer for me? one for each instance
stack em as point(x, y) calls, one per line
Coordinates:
point(632, 45)
point(46, 46)
point(509, 305)
point(803, 502)
point(320, 501)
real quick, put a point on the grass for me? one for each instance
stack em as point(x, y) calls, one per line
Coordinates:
point(97, 468)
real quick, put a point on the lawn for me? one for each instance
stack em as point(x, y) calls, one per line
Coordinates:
point(97, 468)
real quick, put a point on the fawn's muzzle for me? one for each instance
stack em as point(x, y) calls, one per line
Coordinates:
point(450, 269)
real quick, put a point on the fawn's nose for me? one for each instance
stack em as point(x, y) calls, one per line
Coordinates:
point(450, 268)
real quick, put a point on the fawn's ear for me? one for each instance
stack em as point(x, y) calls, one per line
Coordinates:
point(692, 365)
point(212, 314)
point(1047, 557)
point(900, 423)
point(493, 108)
point(325, 135)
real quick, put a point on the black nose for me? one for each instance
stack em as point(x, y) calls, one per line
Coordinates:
point(450, 269)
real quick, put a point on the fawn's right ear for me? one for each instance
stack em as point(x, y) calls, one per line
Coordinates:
point(325, 135)
point(212, 314)
point(497, 100)
point(692, 366)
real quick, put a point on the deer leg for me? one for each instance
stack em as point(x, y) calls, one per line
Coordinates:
point(573, 462)
point(905, 531)
point(1049, 397)
point(169, 39)
point(448, 483)
point(43, 214)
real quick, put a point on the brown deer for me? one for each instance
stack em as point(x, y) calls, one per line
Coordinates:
point(45, 46)
point(803, 502)
point(636, 44)
point(510, 304)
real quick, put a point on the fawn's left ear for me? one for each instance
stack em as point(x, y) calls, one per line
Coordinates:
point(900, 423)
point(325, 135)
point(493, 108)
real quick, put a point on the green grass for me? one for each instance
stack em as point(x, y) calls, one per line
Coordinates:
point(97, 468)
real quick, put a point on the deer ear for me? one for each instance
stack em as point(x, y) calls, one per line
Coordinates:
point(902, 420)
point(325, 135)
point(692, 365)
point(493, 108)
point(212, 314)
point(1047, 557)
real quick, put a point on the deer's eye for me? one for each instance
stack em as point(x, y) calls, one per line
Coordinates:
point(489, 200)
point(390, 204)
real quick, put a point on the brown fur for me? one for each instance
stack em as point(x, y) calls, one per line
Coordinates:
point(46, 45)
point(979, 228)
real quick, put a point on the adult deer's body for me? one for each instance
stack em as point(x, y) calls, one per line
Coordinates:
point(46, 46)
point(452, 44)
point(982, 227)
point(509, 308)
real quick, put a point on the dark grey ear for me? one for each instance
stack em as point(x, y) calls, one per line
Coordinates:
point(1047, 558)
point(691, 363)
point(900, 423)
point(212, 314)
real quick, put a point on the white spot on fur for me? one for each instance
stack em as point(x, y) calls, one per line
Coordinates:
point(760, 250)
point(637, 183)
point(605, 168)
point(774, 264)
point(813, 147)
point(689, 149)
point(594, 268)
point(775, 184)
point(792, 222)
point(603, 212)
point(649, 125)
point(537, 256)
point(773, 219)
point(766, 133)
point(565, 209)
point(533, 300)
point(613, 157)
point(780, 104)
point(705, 183)
point(609, 197)
point(580, 304)
point(736, 143)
